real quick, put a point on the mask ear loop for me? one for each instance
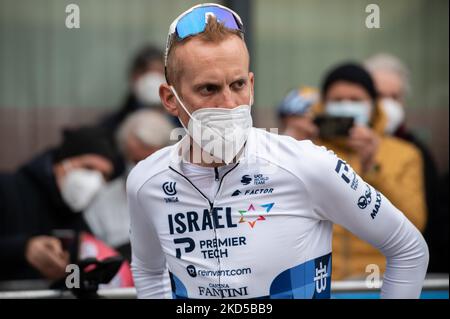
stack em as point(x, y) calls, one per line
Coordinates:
point(185, 109)
point(182, 104)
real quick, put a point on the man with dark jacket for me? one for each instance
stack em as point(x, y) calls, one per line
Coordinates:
point(47, 195)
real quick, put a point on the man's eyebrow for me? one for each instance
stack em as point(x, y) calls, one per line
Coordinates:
point(240, 78)
point(206, 83)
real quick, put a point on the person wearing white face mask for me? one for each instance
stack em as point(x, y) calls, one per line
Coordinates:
point(392, 81)
point(146, 88)
point(220, 132)
point(211, 208)
point(48, 194)
point(389, 164)
point(145, 75)
point(392, 84)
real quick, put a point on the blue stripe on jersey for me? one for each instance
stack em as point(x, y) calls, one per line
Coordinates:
point(311, 279)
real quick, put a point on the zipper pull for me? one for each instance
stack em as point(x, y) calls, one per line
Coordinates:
point(216, 173)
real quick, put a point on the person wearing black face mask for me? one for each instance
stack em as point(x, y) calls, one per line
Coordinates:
point(48, 194)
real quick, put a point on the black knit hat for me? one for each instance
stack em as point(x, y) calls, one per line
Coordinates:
point(84, 140)
point(353, 73)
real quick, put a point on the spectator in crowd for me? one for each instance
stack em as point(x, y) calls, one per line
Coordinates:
point(145, 75)
point(391, 165)
point(45, 195)
point(296, 115)
point(140, 135)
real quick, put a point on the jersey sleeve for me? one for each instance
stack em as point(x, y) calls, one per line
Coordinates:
point(148, 262)
point(338, 194)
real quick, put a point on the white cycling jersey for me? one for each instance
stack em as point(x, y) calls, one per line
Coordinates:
point(267, 232)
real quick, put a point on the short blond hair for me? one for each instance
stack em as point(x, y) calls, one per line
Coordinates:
point(215, 32)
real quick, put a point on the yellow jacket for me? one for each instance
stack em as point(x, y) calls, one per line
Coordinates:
point(399, 176)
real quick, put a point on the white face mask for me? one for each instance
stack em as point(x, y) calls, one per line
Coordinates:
point(221, 132)
point(79, 187)
point(360, 111)
point(146, 88)
point(395, 114)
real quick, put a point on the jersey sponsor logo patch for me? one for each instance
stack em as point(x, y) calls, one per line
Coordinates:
point(188, 243)
point(237, 192)
point(192, 221)
point(171, 199)
point(348, 175)
point(377, 205)
point(365, 199)
point(246, 179)
point(189, 222)
point(320, 278)
point(218, 247)
point(223, 291)
point(251, 216)
point(191, 271)
point(256, 191)
point(258, 179)
point(194, 272)
point(169, 188)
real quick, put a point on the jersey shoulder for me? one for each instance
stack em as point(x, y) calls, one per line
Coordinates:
point(289, 153)
point(156, 163)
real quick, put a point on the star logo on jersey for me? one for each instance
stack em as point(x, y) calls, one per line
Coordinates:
point(245, 214)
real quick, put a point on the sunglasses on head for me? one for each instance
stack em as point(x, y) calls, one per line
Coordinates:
point(194, 21)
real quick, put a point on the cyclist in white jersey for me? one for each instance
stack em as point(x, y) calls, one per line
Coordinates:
point(237, 212)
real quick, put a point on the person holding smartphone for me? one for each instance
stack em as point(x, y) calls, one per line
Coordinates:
point(348, 119)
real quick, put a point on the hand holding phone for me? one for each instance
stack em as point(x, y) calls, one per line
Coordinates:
point(333, 126)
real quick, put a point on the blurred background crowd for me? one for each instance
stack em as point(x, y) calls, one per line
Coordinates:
point(80, 107)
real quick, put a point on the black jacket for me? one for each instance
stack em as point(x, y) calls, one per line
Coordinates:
point(431, 176)
point(436, 191)
point(30, 205)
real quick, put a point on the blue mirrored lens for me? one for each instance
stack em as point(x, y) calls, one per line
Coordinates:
point(195, 21)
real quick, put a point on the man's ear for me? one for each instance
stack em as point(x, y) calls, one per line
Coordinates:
point(168, 99)
point(252, 84)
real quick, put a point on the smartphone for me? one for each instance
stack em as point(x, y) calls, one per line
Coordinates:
point(333, 126)
point(69, 241)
